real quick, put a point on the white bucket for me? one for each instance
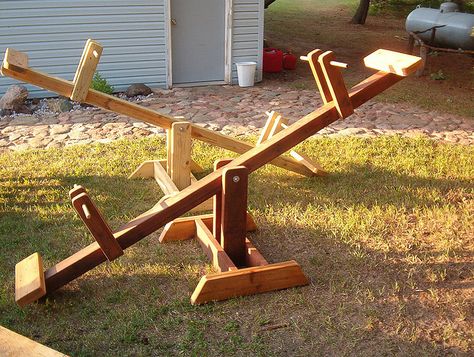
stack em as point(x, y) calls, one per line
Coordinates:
point(246, 73)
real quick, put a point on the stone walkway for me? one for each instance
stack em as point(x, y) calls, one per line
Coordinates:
point(229, 109)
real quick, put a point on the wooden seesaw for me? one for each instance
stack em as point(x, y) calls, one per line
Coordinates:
point(242, 269)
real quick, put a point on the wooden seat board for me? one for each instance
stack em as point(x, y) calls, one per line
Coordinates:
point(392, 62)
point(29, 280)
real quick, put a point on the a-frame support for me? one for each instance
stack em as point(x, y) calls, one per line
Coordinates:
point(241, 268)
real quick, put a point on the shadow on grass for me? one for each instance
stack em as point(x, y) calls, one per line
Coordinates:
point(341, 273)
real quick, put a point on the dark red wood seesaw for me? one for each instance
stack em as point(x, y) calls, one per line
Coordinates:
point(242, 270)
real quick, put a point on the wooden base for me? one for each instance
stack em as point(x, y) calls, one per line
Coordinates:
point(256, 276)
point(248, 281)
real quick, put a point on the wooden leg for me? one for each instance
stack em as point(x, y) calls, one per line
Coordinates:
point(180, 146)
point(212, 248)
point(234, 212)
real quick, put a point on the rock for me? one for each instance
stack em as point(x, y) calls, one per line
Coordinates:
point(138, 89)
point(5, 112)
point(59, 105)
point(25, 120)
point(15, 98)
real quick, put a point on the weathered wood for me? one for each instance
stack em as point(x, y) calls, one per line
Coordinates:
point(392, 62)
point(180, 152)
point(29, 280)
point(336, 84)
point(248, 281)
point(85, 70)
point(117, 105)
point(97, 226)
point(234, 212)
point(13, 344)
point(220, 260)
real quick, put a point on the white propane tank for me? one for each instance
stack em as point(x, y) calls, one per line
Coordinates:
point(457, 29)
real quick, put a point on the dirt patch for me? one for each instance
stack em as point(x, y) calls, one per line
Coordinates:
point(306, 25)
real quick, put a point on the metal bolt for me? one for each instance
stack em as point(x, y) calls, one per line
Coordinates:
point(236, 179)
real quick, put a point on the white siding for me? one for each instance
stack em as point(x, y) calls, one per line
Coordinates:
point(54, 32)
point(247, 34)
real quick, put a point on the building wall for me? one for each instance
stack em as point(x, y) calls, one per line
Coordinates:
point(53, 33)
point(247, 34)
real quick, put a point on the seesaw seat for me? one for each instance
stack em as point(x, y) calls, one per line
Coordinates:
point(392, 62)
point(29, 280)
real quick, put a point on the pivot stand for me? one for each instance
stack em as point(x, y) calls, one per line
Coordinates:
point(242, 269)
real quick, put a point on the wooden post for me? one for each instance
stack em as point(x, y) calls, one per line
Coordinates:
point(180, 152)
point(217, 205)
point(234, 212)
point(85, 70)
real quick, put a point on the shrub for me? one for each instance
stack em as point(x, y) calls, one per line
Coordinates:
point(100, 84)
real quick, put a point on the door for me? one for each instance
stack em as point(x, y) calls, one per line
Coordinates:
point(198, 41)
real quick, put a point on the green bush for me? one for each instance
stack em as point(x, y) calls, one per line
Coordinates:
point(100, 84)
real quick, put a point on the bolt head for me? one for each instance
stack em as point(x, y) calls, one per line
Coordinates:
point(236, 179)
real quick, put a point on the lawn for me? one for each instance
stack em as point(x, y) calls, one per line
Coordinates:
point(386, 239)
point(304, 25)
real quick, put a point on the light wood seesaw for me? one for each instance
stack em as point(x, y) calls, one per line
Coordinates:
point(242, 270)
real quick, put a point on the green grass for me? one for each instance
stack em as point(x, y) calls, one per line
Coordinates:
point(386, 239)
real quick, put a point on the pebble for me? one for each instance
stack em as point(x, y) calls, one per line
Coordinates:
point(230, 110)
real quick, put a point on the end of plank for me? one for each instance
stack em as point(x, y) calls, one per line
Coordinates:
point(397, 63)
point(29, 280)
point(14, 58)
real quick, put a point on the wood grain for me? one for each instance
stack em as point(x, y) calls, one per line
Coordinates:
point(248, 281)
point(29, 280)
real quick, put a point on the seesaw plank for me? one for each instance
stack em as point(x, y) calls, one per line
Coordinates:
point(248, 281)
point(29, 280)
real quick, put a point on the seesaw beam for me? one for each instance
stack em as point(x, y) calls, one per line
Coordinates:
point(12, 68)
point(147, 223)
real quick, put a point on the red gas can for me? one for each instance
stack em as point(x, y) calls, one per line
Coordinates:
point(289, 61)
point(272, 60)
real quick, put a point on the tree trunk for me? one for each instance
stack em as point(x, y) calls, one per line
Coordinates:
point(268, 3)
point(361, 13)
